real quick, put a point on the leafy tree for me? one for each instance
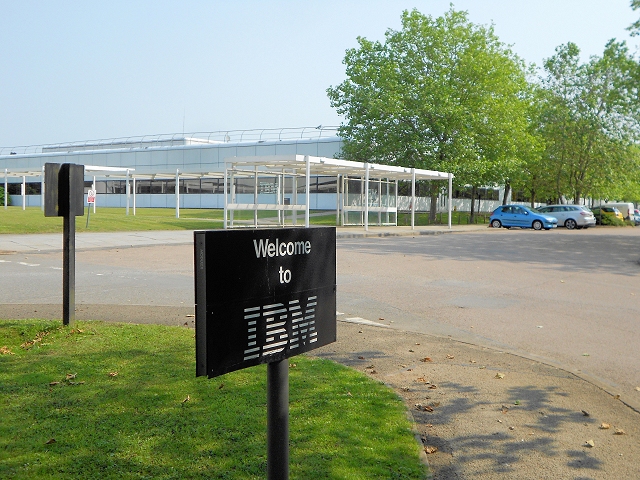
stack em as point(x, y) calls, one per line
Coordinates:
point(589, 120)
point(634, 28)
point(439, 94)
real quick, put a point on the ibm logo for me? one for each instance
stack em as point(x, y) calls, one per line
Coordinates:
point(278, 317)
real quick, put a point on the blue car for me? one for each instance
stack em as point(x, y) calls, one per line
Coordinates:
point(508, 216)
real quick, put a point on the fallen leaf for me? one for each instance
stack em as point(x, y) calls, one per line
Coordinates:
point(429, 449)
point(6, 351)
point(517, 402)
point(190, 315)
point(472, 361)
point(53, 383)
point(433, 387)
point(113, 374)
point(585, 413)
point(50, 441)
point(349, 394)
point(428, 425)
point(417, 344)
point(617, 397)
point(373, 371)
point(221, 386)
point(504, 409)
point(619, 431)
point(186, 324)
point(539, 326)
point(450, 357)
point(590, 444)
point(637, 389)
point(360, 357)
point(293, 365)
point(71, 376)
point(499, 375)
point(186, 399)
point(561, 281)
point(426, 359)
point(585, 354)
point(380, 319)
point(605, 426)
point(481, 367)
point(512, 428)
point(421, 380)
point(370, 366)
point(411, 350)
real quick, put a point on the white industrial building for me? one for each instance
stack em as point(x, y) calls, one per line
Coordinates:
point(284, 170)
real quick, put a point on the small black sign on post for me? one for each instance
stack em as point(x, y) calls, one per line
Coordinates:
point(263, 296)
point(64, 195)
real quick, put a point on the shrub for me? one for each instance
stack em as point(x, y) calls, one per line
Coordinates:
point(611, 220)
point(2, 197)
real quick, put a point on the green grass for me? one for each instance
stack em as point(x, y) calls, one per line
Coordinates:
point(457, 218)
point(137, 424)
point(32, 220)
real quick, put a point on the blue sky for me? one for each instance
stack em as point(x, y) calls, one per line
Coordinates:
point(90, 70)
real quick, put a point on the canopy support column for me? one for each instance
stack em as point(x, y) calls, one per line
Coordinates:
point(42, 190)
point(134, 196)
point(366, 197)
point(450, 197)
point(338, 199)
point(307, 176)
point(413, 198)
point(127, 190)
point(294, 197)
point(255, 197)
point(226, 200)
point(6, 192)
point(177, 193)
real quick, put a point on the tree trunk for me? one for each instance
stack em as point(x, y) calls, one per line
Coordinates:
point(507, 190)
point(473, 203)
point(433, 206)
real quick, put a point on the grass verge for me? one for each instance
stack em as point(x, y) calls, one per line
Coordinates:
point(32, 220)
point(121, 401)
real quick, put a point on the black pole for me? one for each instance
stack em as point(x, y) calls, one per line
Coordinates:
point(69, 267)
point(278, 420)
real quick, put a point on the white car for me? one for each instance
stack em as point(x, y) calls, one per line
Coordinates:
point(570, 216)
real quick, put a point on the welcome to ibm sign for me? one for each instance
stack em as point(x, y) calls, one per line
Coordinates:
point(262, 295)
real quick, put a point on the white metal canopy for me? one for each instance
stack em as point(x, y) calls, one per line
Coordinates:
point(305, 165)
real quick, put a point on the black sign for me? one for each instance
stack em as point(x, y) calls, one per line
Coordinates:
point(262, 295)
point(64, 190)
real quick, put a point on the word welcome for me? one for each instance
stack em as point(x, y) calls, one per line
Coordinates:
point(266, 248)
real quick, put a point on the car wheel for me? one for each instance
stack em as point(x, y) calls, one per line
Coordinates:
point(496, 223)
point(570, 223)
point(536, 225)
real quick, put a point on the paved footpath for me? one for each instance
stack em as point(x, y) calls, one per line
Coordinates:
point(490, 414)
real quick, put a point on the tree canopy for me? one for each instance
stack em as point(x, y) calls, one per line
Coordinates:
point(445, 94)
point(441, 93)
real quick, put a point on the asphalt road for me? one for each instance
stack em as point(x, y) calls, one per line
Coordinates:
point(570, 298)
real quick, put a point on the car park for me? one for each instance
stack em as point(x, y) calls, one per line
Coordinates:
point(508, 216)
point(598, 212)
point(570, 216)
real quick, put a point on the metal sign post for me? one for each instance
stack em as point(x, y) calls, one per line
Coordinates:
point(64, 198)
point(263, 296)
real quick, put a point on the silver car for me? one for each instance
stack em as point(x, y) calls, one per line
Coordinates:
point(570, 216)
